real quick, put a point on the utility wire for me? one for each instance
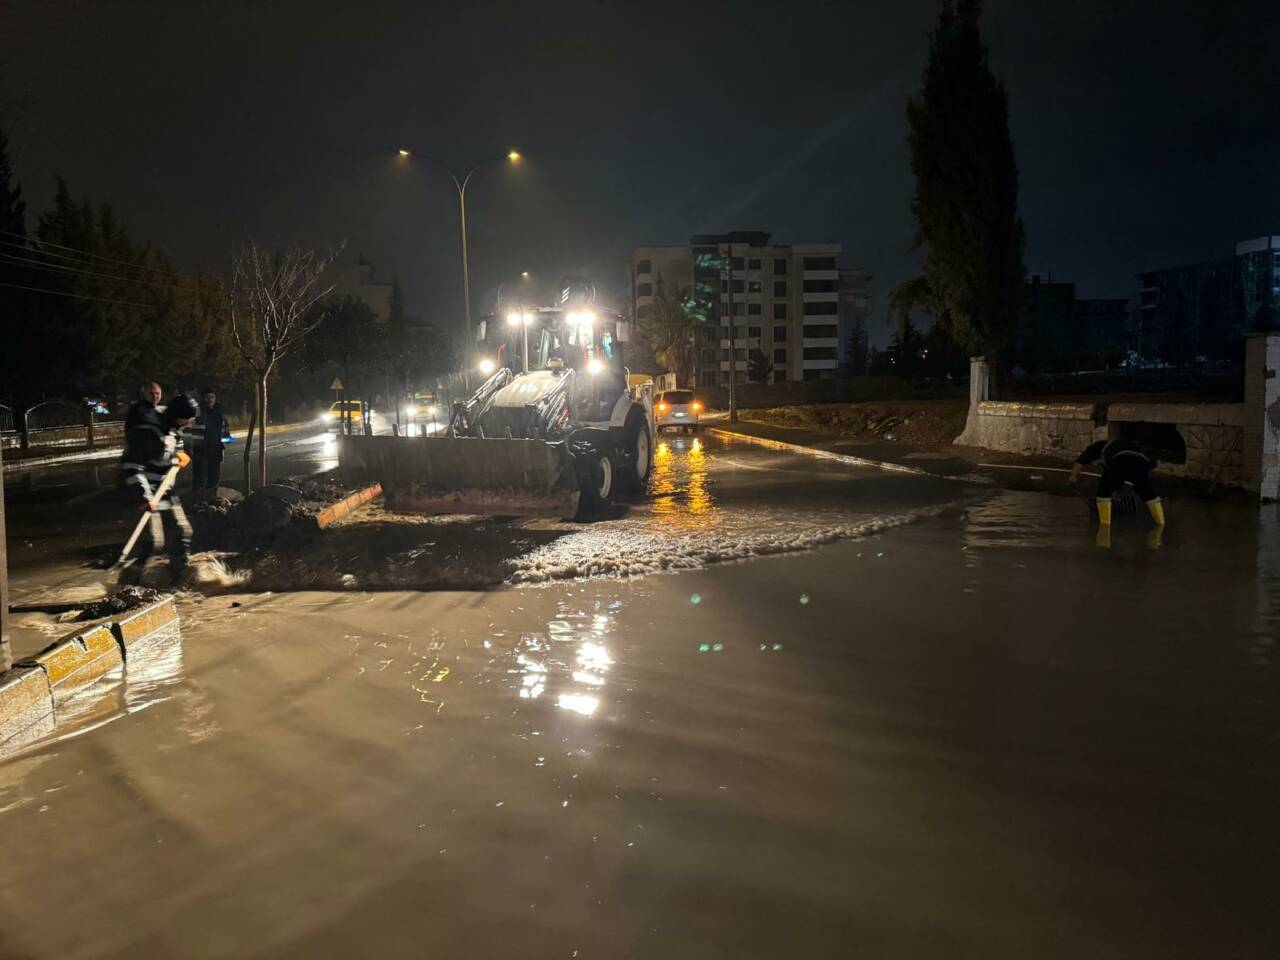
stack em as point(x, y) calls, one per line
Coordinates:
point(8, 258)
point(76, 250)
point(32, 250)
point(80, 296)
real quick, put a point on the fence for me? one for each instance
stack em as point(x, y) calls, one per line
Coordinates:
point(57, 424)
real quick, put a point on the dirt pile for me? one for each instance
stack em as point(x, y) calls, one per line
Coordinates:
point(922, 423)
point(282, 513)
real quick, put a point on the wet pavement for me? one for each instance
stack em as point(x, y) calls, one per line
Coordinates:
point(797, 726)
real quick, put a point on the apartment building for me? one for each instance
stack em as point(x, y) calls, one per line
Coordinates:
point(781, 299)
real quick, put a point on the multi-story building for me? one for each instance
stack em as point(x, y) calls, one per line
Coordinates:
point(783, 300)
point(1203, 310)
point(358, 280)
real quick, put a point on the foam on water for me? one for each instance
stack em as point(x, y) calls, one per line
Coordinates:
point(638, 551)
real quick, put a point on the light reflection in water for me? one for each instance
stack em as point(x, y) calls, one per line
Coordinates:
point(570, 662)
point(681, 495)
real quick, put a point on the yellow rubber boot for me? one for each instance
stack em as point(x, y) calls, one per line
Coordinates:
point(1156, 509)
point(1104, 512)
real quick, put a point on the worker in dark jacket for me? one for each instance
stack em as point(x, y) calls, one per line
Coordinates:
point(144, 408)
point(1124, 460)
point(206, 453)
point(150, 452)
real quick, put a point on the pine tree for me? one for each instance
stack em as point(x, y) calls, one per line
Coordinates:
point(966, 197)
point(13, 209)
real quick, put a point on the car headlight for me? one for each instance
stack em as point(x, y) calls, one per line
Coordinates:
point(412, 410)
point(326, 416)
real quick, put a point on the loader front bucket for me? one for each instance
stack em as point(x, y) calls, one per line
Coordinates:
point(466, 475)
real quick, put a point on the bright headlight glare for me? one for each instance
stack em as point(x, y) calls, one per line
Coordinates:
point(594, 366)
point(412, 409)
point(326, 416)
point(513, 318)
point(487, 366)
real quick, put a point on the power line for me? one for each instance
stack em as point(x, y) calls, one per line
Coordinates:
point(11, 259)
point(76, 250)
point(80, 296)
point(35, 250)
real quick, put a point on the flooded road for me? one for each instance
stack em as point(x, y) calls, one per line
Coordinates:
point(976, 735)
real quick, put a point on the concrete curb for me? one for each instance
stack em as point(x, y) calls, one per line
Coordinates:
point(34, 690)
point(342, 508)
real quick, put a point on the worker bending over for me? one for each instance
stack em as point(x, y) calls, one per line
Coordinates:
point(1123, 461)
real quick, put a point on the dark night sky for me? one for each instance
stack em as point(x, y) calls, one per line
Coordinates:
point(1146, 132)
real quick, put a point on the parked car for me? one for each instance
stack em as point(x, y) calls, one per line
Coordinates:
point(677, 408)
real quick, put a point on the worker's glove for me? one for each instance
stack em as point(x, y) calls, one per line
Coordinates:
point(183, 459)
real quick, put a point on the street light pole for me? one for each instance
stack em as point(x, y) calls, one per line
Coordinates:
point(461, 186)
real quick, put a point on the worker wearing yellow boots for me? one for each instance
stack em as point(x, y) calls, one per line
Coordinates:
point(1124, 460)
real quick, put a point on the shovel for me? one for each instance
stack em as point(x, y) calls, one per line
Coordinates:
point(166, 485)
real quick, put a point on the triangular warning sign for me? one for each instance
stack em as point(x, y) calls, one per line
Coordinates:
point(336, 385)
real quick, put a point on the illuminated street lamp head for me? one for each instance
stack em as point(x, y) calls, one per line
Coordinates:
point(404, 152)
point(524, 274)
point(487, 366)
point(514, 156)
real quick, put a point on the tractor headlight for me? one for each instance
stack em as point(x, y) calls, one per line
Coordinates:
point(412, 410)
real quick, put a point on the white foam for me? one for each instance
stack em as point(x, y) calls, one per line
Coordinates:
point(639, 552)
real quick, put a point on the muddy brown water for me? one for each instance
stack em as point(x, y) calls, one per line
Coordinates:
point(977, 735)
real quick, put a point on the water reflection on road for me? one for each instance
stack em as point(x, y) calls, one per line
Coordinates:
point(681, 495)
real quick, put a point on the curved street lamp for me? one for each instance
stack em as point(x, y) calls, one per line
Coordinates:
point(461, 183)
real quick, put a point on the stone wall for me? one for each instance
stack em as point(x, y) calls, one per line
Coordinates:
point(1215, 435)
point(1212, 432)
point(1053, 429)
point(1262, 414)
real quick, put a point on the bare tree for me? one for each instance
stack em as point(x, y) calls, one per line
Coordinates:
point(270, 299)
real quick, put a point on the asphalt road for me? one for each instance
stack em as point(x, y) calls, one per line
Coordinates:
point(796, 727)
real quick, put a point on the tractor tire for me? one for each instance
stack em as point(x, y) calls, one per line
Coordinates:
point(599, 483)
point(637, 449)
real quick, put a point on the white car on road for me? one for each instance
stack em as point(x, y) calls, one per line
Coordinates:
point(677, 408)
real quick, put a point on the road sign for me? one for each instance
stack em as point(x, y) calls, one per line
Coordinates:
point(336, 385)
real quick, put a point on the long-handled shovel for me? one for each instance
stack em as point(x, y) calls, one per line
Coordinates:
point(166, 485)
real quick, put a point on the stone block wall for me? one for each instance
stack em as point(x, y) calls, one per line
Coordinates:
point(1053, 429)
point(1212, 432)
point(1232, 443)
point(1262, 414)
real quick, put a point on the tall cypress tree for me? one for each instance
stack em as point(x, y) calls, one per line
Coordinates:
point(966, 197)
point(13, 209)
point(13, 301)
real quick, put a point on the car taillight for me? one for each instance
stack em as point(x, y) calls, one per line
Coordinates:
point(663, 408)
point(696, 406)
